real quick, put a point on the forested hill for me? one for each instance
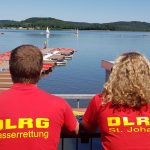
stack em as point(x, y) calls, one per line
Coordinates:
point(52, 23)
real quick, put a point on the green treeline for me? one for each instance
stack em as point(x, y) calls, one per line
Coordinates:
point(52, 23)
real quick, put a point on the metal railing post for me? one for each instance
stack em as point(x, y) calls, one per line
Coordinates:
point(91, 144)
point(76, 143)
point(78, 103)
point(62, 144)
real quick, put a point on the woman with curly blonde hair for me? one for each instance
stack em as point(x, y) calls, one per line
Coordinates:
point(129, 81)
point(122, 111)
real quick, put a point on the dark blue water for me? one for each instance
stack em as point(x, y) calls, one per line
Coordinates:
point(82, 74)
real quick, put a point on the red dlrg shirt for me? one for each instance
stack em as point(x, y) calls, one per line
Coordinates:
point(31, 119)
point(120, 128)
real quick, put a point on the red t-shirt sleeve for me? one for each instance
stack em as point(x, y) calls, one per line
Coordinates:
point(70, 122)
point(90, 120)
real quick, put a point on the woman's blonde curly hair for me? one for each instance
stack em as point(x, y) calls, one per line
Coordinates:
point(129, 82)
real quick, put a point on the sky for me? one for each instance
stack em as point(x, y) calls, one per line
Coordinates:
point(92, 11)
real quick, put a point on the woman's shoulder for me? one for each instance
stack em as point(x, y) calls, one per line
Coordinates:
point(98, 99)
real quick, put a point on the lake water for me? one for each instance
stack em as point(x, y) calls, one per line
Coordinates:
point(83, 74)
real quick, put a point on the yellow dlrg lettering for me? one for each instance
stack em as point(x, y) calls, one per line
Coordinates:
point(113, 121)
point(25, 121)
point(1, 124)
point(8, 124)
point(126, 122)
point(144, 120)
point(42, 122)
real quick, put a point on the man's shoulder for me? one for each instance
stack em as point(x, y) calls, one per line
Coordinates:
point(37, 93)
point(5, 93)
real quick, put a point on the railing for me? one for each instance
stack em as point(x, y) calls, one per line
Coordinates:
point(83, 136)
point(76, 97)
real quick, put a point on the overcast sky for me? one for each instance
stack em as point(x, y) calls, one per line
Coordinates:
point(94, 11)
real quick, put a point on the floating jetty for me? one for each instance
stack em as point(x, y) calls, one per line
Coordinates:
point(51, 57)
point(57, 55)
point(107, 65)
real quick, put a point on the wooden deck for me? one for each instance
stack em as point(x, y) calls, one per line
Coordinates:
point(5, 81)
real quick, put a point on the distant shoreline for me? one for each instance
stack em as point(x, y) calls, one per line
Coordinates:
point(12, 29)
point(37, 23)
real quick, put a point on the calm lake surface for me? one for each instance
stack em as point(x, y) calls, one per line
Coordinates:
point(83, 74)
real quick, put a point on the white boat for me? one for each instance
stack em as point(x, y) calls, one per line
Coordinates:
point(47, 31)
point(77, 32)
point(46, 56)
point(68, 57)
point(61, 63)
